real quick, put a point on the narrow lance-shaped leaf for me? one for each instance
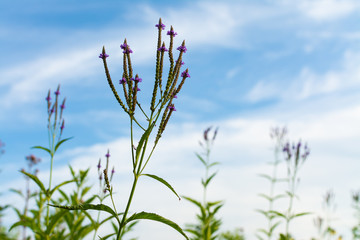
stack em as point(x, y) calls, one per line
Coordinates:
point(61, 142)
point(158, 218)
point(45, 149)
point(86, 206)
point(209, 179)
point(54, 220)
point(58, 186)
point(201, 159)
point(36, 180)
point(141, 142)
point(163, 182)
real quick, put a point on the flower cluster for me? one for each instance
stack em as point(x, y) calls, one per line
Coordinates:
point(130, 84)
point(56, 111)
point(296, 151)
point(105, 186)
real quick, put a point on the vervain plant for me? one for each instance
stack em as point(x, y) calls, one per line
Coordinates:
point(76, 224)
point(208, 224)
point(323, 223)
point(237, 234)
point(4, 235)
point(295, 156)
point(102, 195)
point(43, 223)
point(278, 135)
point(356, 206)
point(161, 107)
point(27, 195)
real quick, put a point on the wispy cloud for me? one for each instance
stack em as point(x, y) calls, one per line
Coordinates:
point(310, 84)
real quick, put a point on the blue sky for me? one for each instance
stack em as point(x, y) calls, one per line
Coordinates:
point(253, 65)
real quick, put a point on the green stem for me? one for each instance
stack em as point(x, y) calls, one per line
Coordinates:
point(127, 207)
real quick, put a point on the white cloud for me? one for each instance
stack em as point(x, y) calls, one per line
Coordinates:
point(243, 147)
point(311, 84)
point(326, 10)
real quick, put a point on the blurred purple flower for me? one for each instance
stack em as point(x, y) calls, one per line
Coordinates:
point(182, 48)
point(172, 32)
point(103, 56)
point(137, 79)
point(162, 49)
point(122, 81)
point(185, 74)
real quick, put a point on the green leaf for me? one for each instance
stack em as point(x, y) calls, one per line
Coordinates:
point(163, 182)
point(209, 179)
point(61, 142)
point(141, 142)
point(300, 214)
point(279, 214)
point(36, 180)
point(214, 164)
point(201, 159)
point(265, 196)
point(86, 206)
point(58, 186)
point(54, 220)
point(158, 218)
point(17, 191)
point(266, 177)
point(45, 149)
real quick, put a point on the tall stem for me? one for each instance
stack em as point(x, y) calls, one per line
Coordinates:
point(127, 207)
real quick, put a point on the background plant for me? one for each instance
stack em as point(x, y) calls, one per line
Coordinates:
point(208, 224)
point(278, 135)
point(295, 156)
point(161, 106)
point(324, 223)
point(46, 224)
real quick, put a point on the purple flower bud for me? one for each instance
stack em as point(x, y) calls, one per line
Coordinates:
point(137, 79)
point(48, 98)
point(181, 63)
point(162, 49)
point(172, 107)
point(138, 89)
point(99, 165)
point(62, 125)
point(126, 48)
point(108, 154)
point(171, 33)
point(182, 48)
point(162, 26)
point(103, 56)
point(185, 74)
point(57, 92)
point(122, 81)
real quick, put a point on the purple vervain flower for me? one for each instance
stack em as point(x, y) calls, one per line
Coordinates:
point(107, 154)
point(162, 49)
point(185, 74)
point(172, 32)
point(62, 106)
point(181, 62)
point(62, 125)
point(137, 79)
point(103, 55)
point(172, 108)
point(138, 89)
point(160, 25)
point(52, 109)
point(126, 48)
point(182, 48)
point(122, 81)
point(48, 98)
point(57, 92)
point(99, 165)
